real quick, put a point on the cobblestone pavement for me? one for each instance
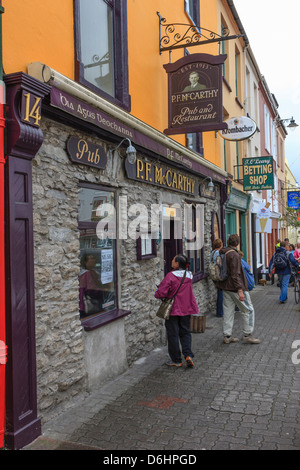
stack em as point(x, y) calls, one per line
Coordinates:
point(238, 396)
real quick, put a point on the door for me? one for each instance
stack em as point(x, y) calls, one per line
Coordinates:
point(172, 236)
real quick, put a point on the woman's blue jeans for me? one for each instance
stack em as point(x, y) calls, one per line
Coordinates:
point(179, 333)
point(284, 280)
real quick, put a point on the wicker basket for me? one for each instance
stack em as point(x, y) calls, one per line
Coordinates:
point(198, 323)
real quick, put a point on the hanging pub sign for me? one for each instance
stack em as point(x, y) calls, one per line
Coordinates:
point(195, 94)
point(258, 173)
point(241, 128)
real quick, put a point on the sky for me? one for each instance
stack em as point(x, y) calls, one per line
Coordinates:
point(272, 28)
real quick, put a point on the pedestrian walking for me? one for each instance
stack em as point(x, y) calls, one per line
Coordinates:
point(185, 305)
point(292, 249)
point(297, 252)
point(217, 245)
point(235, 293)
point(282, 260)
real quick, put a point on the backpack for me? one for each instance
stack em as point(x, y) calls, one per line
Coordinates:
point(249, 275)
point(280, 260)
point(217, 270)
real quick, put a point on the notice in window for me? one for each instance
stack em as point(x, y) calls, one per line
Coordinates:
point(146, 246)
point(107, 271)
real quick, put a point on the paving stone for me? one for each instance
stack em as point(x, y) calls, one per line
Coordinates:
point(238, 397)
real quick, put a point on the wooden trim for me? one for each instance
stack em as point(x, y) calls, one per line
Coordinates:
point(97, 321)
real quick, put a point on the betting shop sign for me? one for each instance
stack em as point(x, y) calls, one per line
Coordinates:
point(195, 94)
point(258, 173)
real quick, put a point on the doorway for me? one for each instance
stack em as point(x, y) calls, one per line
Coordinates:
point(172, 235)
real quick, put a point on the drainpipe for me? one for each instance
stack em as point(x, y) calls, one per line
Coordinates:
point(2, 250)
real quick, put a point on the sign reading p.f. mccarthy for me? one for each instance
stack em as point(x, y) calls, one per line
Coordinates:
point(195, 94)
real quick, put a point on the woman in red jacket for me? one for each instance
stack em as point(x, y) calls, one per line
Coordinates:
point(178, 325)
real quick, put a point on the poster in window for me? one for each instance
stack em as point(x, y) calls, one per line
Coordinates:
point(107, 266)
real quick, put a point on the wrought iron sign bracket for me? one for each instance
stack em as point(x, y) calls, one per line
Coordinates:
point(170, 38)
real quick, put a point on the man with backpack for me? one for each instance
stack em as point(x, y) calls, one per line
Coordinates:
point(282, 261)
point(235, 292)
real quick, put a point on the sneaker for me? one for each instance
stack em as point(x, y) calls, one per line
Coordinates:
point(189, 362)
point(249, 339)
point(174, 364)
point(231, 339)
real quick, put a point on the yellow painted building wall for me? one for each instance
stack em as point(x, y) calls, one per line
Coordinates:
point(35, 30)
point(43, 31)
point(233, 102)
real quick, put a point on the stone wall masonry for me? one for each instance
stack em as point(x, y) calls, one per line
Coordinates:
point(61, 373)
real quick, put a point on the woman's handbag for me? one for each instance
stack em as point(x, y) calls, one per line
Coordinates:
point(167, 304)
point(165, 309)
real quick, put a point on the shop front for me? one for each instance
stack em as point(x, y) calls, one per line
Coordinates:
point(90, 234)
point(237, 217)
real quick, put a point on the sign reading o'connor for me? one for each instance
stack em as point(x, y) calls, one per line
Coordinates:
point(241, 128)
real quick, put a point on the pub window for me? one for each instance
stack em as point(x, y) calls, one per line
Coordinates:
point(101, 48)
point(145, 246)
point(97, 277)
point(194, 142)
point(192, 8)
point(194, 237)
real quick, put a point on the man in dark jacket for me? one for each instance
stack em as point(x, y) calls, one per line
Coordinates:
point(284, 273)
point(235, 293)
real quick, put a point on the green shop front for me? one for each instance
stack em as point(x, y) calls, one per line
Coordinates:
point(236, 216)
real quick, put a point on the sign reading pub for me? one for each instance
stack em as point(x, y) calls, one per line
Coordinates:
point(195, 94)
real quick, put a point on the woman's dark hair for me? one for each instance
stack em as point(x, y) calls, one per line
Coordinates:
point(182, 261)
point(84, 259)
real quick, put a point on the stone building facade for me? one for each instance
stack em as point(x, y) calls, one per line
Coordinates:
point(70, 359)
point(59, 195)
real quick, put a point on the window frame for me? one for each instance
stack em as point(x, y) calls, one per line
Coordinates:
point(142, 237)
point(101, 319)
point(197, 142)
point(195, 14)
point(120, 42)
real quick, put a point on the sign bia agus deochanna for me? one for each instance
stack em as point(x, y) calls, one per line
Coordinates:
point(238, 128)
point(258, 173)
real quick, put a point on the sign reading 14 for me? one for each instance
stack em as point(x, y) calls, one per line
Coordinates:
point(31, 109)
